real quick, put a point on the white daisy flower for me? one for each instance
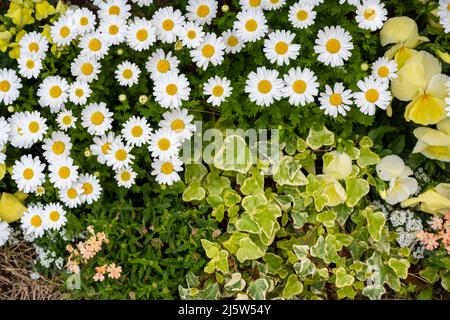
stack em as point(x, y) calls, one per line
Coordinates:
point(30, 65)
point(5, 232)
point(211, 50)
point(53, 93)
point(142, 3)
point(335, 100)
point(4, 132)
point(85, 68)
point(444, 14)
point(251, 25)
point(94, 44)
point(27, 128)
point(84, 20)
point(170, 89)
point(57, 146)
point(96, 118)
point(371, 14)
point(125, 177)
point(10, 85)
point(79, 92)
point(91, 188)
point(71, 196)
point(160, 63)
point(164, 144)
point(351, 2)
point(127, 73)
point(251, 4)
point(218, 89)
point(33, 43)
point(62, 172)
point(63, 31)
point(374, 93)
point(66, 120)
point(201, 11)
point(119, 156)
point(273, 4)
point(279, 48)
point(102, 145)
point(233, 44)
point(118, 8)
point(114, 29)
point(263, 86)
point(136, 131)
point(166, 20)
point(166, 171)
point(191, 35)
point(302, 14)
point(54, 216)
point(140, 34)
point(300, 86)
point(333, 45)
point(384, 68)
point(28, 173)
point(179, 122)
point(32, 221)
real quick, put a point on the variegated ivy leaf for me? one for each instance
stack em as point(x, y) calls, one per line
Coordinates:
point(251, 202)
point(356, 188)
point(327, 218)
point(375, 223)
point(288, 172)
point(194, 172)
point(343, 279)
point(234, 155)
point(400, 267)
point(236, 283)
point(251, 186)
point(194, 192)
point(293, 287)
point(367, 157)
point(248, 224)
point(257, 289)
point(215, 183)
point(248, 250)
point(304, 268)
point(318, 138)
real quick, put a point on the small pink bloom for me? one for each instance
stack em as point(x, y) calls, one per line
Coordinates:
point(431, 243)
point(101, 269)
point(421, 235)
point(98, 277)
point(114, 272)
point(436, 223)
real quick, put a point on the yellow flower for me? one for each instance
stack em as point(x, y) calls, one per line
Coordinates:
point(414, 75)
point(11, 209)
point(434, 201)
point(445, 56)
point(43, 10)
point(2, 171)
point(402, 32)
point(434, 144)
point(337, 164)
point(428, 107)
point(5, 37)
point(332, 189)
point(14, 53)
point(19, 15)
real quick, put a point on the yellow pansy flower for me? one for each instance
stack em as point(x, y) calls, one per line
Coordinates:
point(434, 144)
point(19, 15)
point(11, 209)
point(43, 9)
point(5, 37)
point(434, 201)
point(332, 189)
point(337, 164)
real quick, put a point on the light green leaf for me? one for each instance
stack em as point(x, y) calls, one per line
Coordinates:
point(299, 218)
point(250, 186)
point(231, 197)
point(430, 274)
point(288, 172)
point(400, 267)
point(343, 279)
point(248, 250)
point(327, 218)
point(301, 251)
point(248, 224)
point(445, 281)
point(293, 287)
point(194, 172)
point(236, 283)
point(194, 192)
point(318, 138)
point(257, 289)
point(375, 223)
point(367, 158)
point(356, 189)
point(304, 268)
point(234, 155)
point(251, 202)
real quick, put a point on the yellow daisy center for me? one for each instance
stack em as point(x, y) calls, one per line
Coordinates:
point(251, 25)
point(217, 91)
point(171, 89)
point(87, 68)
point(127, 73)
point(254, 3)
point(168, 24)
point(55, 92)
point(114, 10)
point(84, 21)
point(97, 118)
point(5, 86)
point(33, 126)
point(203, 10)
point(232, 41)
point(191, 34)
point(106, 147)
point(113, 29)
point(125, 176)
point(33, 47)
point(72, 193)
point(95, 44)
point(163, 66)
point(383, 71)
point(67, 120)
point(302, 15)
point(142, 35)
point(137, 131)
point(28, 174)
point(64, 172)
point(121, 155)
point(164, 144)
point(36, 221)
point(54, 216)
point(335, 99)
point(64, 32)
point(177, 125)
point(167, 168)
point(281, 47)
point(333, 45)
point(79, 92)
point(264, 86)
point(208, 51)
point(369, 14)
point(372, 95)
point(87, 188)
point(299, 86)
point(58, 147)
point(30, 64)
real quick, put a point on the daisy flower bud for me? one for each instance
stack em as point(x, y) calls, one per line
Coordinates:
point(364, 66)
point(122, 97)
point(143, 99)
point(225, 8)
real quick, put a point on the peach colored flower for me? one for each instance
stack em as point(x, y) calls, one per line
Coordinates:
point(445, 236)
point(73, 267)
point(101, 269)
point(431, 242)
point(114, 272)
point(69, 248)
point(421, 235)
point(436, 223)
point(101, 236)
point(90, 229)
point(98, 277)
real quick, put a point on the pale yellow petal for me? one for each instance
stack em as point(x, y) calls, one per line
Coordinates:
point(11, 209)
point(425, 110)
point(398, 29)
point(436, 86)
point(444, 126)
point(390, 167)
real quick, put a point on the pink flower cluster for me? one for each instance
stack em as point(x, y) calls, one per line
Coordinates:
point(441, 228)
point(112, 270)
